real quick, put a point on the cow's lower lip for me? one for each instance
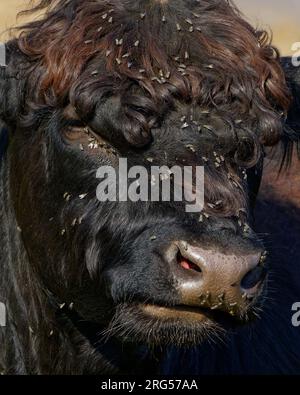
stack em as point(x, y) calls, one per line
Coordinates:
point(186, 313)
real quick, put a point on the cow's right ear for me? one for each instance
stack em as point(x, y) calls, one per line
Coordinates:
point(291, 136)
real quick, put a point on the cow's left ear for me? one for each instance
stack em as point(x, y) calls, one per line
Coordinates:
point(291, 136)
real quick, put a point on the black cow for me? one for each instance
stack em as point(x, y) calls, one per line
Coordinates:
point(105, 287)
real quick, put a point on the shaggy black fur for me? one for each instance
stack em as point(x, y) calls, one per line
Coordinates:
point(75, 272)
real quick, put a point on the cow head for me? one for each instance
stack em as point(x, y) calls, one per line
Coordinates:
point(158, 83)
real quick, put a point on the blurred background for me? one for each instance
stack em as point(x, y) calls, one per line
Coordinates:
point(282, 16)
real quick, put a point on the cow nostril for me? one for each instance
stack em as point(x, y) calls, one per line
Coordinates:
point(253, 278)
point(186, 263)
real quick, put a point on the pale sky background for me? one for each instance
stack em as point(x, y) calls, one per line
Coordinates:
point(283, 16)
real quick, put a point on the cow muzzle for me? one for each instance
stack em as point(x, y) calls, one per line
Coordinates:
point(214, 280)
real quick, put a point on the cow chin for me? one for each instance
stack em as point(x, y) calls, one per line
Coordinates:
point(165, 326)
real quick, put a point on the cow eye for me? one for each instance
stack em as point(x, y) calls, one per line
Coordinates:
point(74, 134)
point(83, 138)
point(80, 136)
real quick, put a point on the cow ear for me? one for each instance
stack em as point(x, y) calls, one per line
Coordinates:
point(291, 137)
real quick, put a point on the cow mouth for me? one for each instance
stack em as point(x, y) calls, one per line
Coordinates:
point(176, 312)
point(190, 315)
point(178, 325)
point(157, 325)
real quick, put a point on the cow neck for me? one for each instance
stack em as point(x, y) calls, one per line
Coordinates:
point(14, 262)
point(125, 357)
point(15, 271)
point(3, 142)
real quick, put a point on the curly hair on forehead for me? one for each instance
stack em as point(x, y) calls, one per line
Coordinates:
point(150, 54)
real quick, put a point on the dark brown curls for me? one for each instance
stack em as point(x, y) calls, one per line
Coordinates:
point(202, 53)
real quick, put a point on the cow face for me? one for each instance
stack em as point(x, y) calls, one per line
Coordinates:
point(147, 271)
